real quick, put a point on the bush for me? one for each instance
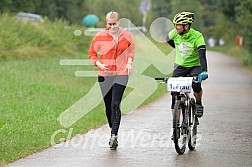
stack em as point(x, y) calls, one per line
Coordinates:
point(24, 39)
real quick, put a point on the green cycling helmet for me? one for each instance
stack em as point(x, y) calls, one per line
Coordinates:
point(183, 18)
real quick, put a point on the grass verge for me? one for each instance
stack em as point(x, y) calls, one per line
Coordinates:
point(34, 92)
point(239, 52)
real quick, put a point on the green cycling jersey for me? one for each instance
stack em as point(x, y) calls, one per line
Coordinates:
point(186, 46)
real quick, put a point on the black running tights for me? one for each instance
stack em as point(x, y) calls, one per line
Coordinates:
point(112, 88)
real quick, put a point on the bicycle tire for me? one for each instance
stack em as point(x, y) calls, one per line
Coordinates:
point(193, 126)
point(179, 133)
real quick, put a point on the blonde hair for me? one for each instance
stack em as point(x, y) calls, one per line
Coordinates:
point(112, 15)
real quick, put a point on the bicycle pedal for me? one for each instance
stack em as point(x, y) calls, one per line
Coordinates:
point(196, 121)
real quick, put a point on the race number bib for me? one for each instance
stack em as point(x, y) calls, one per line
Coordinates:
point(180, 84)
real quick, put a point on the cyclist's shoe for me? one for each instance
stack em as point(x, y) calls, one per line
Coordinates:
point(199, 110)
point(113, 143)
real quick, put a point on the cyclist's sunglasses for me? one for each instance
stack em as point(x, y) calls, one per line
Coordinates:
point(110, 24)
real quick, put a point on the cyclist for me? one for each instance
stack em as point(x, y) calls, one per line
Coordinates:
point(190, 55)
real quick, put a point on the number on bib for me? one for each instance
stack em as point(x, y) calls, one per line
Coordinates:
point(180, 84)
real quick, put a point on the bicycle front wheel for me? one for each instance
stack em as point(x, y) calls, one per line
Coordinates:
point(179, 130)
point(193, 125)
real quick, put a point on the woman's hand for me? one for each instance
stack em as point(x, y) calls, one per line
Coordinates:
point(103, 67)
point(129, 68)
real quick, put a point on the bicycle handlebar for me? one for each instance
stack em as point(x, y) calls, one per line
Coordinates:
point(165, 79)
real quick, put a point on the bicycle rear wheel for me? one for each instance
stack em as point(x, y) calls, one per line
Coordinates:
point(193, 125)
point(179, 130)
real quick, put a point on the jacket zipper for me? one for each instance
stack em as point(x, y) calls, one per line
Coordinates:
point(116, 53)
point(115, 59)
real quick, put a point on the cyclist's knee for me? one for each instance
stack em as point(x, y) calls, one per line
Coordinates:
point(196, 87)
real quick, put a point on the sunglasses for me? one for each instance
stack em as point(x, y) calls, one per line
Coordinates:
point(110, 24)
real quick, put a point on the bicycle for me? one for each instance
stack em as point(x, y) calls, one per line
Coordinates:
point(185, 124)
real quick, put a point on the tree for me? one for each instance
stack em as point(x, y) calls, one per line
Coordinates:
point(69, 10)
point(244, 20)
point(5, 5)
point(228, 8)
point(161, 8)
point(127, 9)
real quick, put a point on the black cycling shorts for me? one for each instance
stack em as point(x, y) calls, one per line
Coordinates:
point(180, 71)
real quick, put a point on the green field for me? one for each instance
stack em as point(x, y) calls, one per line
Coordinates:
point(34, 91)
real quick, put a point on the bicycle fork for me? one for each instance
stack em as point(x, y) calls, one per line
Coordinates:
point(185, 111)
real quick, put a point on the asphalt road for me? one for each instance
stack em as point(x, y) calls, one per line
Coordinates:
point(225, 130)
